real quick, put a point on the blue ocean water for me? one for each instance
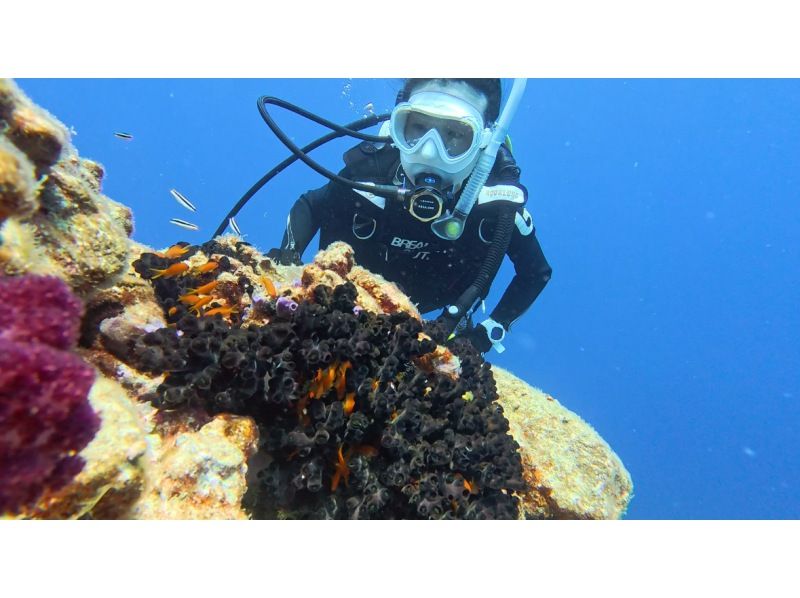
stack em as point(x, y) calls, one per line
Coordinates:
point(669, 210)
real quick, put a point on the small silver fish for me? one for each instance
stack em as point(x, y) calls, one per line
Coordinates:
point(125, 136)
point(234, 226)
point(181, 199)
point(184, 224)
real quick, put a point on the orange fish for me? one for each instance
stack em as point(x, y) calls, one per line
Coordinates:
point(225, 311)
point(173, 270)
point(209, 266)
point(324, 380)
point(342, 379)
point(330, 377)
point(471, 487)
point(342, 470)
point(367, 450)
point(314, 388)
point(270, 288)
point(206, 288)
point(176, 251)
point(349, 403)
point(189, 299)
point(172, 311)
point(200, 303)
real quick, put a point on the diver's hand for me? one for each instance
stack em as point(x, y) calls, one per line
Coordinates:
point(487, 335)
point(478, 337)
point(285, 257)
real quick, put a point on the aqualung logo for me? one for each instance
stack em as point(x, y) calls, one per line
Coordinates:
point(408, 243)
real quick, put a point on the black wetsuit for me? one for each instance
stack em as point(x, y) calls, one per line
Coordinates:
point(389, 241)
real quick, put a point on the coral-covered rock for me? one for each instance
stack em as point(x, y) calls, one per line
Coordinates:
point(314, 275)
point(114, 477)
point(572, 472)
point(385, 294)
point(115, 317)
point(337, 257)
point(17, 182)
point(200, 474)
point(45, 417)
point(31, 128)
point(335, 390)
point(20, 252)
point(335, 264)
point(84, 233)
point(119, 334)
point(60, 224)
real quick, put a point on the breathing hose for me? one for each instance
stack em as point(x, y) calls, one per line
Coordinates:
point(388, 191)
point(351, 129)
point(478, 290)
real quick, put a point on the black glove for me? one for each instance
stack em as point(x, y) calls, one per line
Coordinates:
point(477, 337)
point(285, 257)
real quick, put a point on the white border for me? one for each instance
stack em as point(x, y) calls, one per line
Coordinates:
point(569, 38)
point(400, 558)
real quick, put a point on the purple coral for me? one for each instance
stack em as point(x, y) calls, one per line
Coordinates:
point(45, 417)
point(285, 307)
point(39, 309)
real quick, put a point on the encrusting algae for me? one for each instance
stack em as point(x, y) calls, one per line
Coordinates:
point(228, 386)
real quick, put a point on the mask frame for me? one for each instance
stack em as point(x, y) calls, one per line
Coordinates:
point(419, 157)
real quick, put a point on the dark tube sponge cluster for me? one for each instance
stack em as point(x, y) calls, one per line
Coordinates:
point(45, 417)
point(354, 424)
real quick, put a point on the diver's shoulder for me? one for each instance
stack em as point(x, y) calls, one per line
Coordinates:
point(497, 193)
point(368, 159)
point(505, 166)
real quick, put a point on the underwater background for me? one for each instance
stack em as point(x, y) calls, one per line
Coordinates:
point(669, 210)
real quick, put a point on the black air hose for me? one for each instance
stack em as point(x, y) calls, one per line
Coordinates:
point(488, 270)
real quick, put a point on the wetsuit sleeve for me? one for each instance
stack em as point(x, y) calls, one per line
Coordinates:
point(531, 275)
point(304, 219)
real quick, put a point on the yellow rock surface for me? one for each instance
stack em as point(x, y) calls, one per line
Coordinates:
point(114, 476)
point(573, 472)
point(17, 182)
point(200, 474)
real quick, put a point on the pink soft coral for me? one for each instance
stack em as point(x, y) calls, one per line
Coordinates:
point(45, 417)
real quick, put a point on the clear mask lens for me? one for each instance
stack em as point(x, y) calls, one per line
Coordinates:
point(457, 136)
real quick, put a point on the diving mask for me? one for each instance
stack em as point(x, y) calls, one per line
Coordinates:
point(438, 133)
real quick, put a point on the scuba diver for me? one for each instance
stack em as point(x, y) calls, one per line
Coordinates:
point(438, 128)
point(460, 207)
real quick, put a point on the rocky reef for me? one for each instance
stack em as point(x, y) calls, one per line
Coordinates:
point(222, 385)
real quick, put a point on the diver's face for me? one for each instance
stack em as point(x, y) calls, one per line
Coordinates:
point(456, 136)
point(452, 151)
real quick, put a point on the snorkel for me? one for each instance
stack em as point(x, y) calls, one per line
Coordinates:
point(451, 226)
